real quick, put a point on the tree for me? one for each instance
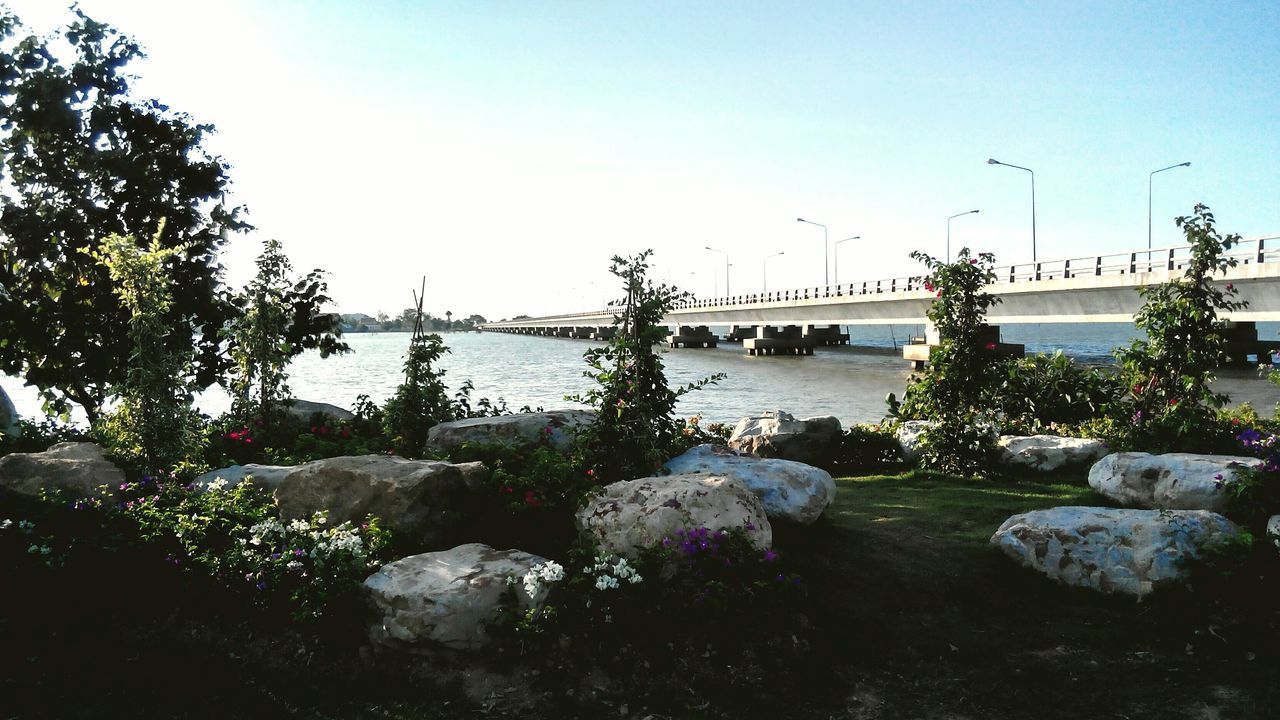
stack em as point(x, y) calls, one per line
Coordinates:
point(82, 161)
point(635, 429)
point(280, 319)
point(154, 424)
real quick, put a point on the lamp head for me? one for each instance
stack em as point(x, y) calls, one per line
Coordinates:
point(799, 219)
point(1185, 164)
point(992, 161)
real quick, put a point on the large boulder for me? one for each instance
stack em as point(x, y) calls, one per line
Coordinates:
point(1111, 550)
point(777, 434)
point(908, 435)
point(627, 516)
point(788, 490)
point(446, 598)
point(1273, 530)
point(1176, 481)
point(304, 409)
point(8, 416)
point(267, 477)
point(78, 469)
point(417, 499)
point(518, 429)
point(1047, 453)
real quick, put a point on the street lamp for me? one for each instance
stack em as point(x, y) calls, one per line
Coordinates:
point(826, 261)
point(837, 254)
point(967, 212)
point(1149, 177)
point(992, 161)
point(764, 269)
point(726, 269)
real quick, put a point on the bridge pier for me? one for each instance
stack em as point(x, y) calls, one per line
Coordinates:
point(1241, 343)
point(919, 349)
point(769, 340)
point(691, 336)
point(604, 333)
point(826, 335)
point(738, 333)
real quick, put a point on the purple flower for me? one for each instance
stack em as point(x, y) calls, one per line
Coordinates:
point(750, 526)
point(298, 552)
point(780, 577)
point(262, 585)
point(275, 556)
point(770, 556)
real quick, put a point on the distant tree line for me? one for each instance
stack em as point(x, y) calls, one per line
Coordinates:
point(358, 322)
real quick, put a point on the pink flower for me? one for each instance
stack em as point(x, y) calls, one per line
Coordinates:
point(991, 346)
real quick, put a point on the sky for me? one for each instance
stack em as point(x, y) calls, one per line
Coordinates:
point(507, 150)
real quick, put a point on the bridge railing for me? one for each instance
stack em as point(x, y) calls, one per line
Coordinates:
point(1246, 252)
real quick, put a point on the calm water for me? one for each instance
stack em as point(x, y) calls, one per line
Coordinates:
point(848, 382)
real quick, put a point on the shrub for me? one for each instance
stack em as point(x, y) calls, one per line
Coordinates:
point(956, 389)
point(635, 429)
point(36, 437)
point(153, 425)
point(1035, 393)
point(1168, 374)
point(867, 447)
point(421, 401)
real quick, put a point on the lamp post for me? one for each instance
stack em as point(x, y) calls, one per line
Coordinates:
point(726, 269)
point(953, 217)
point(1149, 177)
point(826, 259)
point(837, 255)
point(764, 269)
point(993, 161)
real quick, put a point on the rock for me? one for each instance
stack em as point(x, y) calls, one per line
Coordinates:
point(445, 598)
point(1176, 481)
point(475, 476)
point(518, 429)
point(1273, 530)
point(416, 499)
point(627, 516)
point(908, 434)
point(267, 477)
point(8, 416)
point(776, 434)
point(1049, 452)
point(1108, 549)
point(77, 468)
point(788, 490)
point(304, 409)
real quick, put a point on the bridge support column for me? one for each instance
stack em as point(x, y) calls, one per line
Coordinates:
point(690, 337)
point(738, 333)
point(826, 335)
point(1243, 347)
point(919, 349)
point(769, 340)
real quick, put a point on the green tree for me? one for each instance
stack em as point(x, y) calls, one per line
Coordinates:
point(956, 388)
point(82, 161)
point(635, 429)
point(280, 319)
point(153, 424)
point(421, 401)
point(1170, 371)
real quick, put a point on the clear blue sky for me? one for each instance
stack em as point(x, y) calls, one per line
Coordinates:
point(506, 150)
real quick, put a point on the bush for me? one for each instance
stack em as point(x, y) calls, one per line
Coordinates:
point(956, 389)
point(1036, 393)
point(421, 401)
point(868, 448)
point(34, 437)
point(635, 429)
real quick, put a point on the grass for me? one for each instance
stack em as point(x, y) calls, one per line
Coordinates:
point(910, 614)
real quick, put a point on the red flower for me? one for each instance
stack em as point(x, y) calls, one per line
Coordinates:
point(1137, 389)
point(991, 346)
point(313, 429)
point(973, 261)
point(1173, 402)
point(1231, 286)
point(508, 489)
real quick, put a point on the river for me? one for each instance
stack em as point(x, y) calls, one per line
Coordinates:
point(847, 382)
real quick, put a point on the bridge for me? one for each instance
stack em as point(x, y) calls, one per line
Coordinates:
point(1096, 289)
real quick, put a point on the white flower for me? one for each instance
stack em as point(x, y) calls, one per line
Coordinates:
point(216, 485)
point(293, 565)
point(255, 540)
point(606, 582)
point(6, 524)
point(635, 578)
point(26, 525)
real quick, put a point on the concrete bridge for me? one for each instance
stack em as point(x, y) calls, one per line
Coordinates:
point(1095, 289)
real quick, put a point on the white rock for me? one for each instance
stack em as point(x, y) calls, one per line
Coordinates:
point(446, 598)
point(627, 516)
point(304, 409)
point(419, 499)
point(78, 469)
point(1049, 452)
point(267, 477)
point(8, 416)
point(518, 429)
point(1108, 549)
point(788, 490)
point(908, 434)
point(1273, 530)
point(777, 434)
point(1176, 481)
